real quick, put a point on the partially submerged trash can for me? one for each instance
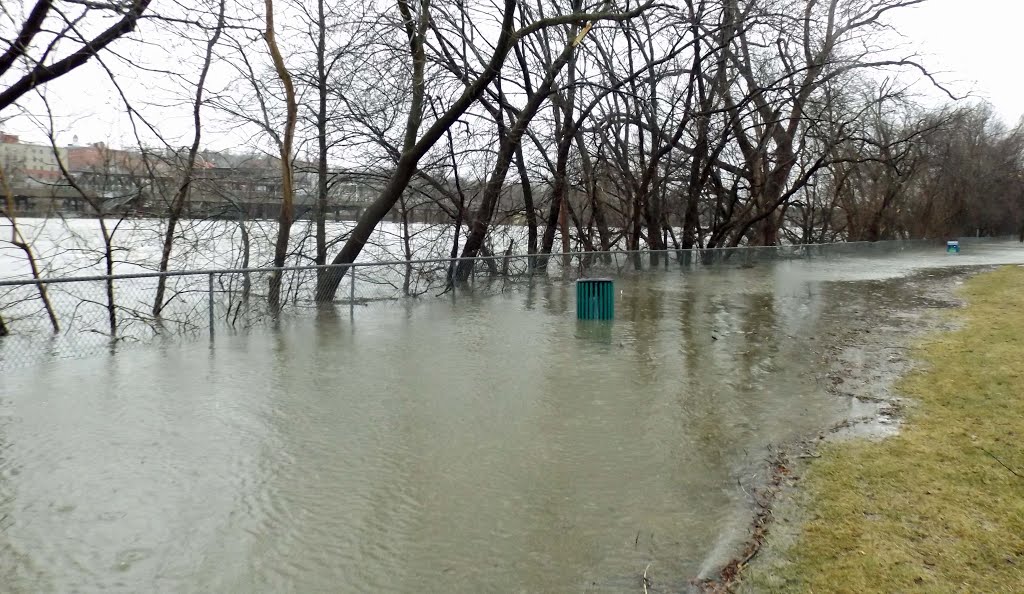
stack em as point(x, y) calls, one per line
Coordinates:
point(595, 299)
point(952, 247)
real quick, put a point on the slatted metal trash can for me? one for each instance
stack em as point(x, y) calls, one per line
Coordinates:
point(595, 299)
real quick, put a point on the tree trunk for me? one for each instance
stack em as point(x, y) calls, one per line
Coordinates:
point(550, 225)
point(492, 191)
point(414, 150)
point(246, 279)
point(284, 220)
point(531, 212)
point(18, 241)
point(181, 195)
point(108, 257)
point(769, 230)
point(596, 206)
point(406, 247)
point(509, 143)
point(320, 210)
point(556, 214)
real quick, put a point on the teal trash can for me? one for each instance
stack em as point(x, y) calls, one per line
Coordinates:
point(952, 247)
point(595, 299)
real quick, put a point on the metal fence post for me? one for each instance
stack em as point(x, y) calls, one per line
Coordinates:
point(352, 292)
point(210, 300)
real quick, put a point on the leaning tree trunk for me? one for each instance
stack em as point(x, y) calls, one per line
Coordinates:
point(509, 142)
point(413, 149)
point(18, 241)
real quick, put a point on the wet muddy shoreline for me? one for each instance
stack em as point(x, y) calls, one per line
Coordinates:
point(860, 362)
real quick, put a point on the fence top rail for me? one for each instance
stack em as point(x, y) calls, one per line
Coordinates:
point(345, 267)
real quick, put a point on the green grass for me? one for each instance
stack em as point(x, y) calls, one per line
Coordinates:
point(928, 510)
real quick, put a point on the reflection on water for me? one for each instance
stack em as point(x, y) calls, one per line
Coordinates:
point(480, 444)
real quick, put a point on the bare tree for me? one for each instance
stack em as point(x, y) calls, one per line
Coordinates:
point(416, 145)
point(177, 204)
point(18, 241)
point(287, 188)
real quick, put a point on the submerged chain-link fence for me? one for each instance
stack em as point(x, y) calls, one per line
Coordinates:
point(75, 317)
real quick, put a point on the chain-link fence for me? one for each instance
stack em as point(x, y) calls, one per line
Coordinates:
point(74, 317)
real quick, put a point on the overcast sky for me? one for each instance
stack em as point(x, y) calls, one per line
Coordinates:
point(973, 47)
point(977, 43)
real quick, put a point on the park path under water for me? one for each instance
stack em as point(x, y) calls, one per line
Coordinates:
point(468, 445)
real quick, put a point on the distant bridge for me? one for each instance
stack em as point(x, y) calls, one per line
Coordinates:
point(42, 201)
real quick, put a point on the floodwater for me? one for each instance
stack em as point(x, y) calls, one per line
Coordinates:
point(470, 445)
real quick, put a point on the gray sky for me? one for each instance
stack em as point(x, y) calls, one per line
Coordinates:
point(972, 47)
point(976, 44)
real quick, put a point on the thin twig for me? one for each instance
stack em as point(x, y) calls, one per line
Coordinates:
point(1014, 472)
point(645, 580)
point(740, 485)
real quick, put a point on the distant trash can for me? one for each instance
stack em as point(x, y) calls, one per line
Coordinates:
point(595, 299)
point(952, 247)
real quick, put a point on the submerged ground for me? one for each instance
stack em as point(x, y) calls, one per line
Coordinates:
point(475, 444)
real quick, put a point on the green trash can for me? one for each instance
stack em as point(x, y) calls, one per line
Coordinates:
point(595, 299)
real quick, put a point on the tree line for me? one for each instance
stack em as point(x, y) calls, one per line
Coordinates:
point(582, 126)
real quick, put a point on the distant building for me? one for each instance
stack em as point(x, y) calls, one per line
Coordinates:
point(119, 182)
point(29, 165)
point(116, 180)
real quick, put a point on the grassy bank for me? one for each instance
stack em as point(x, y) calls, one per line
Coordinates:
point(940, 507)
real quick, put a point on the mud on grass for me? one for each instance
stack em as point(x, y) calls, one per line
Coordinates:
point(938, 507)
point(859, 358)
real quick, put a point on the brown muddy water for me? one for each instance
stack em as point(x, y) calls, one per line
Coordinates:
point(477, 445)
